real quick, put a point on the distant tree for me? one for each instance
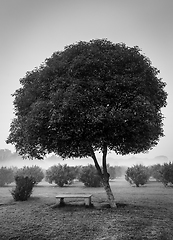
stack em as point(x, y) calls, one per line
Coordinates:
point(5, 154)
point(120, 171)
point(6, 176)
point(111, 171)
point(15, 155)
point(92, 96)
point(90, 177)
point(76, 170)
point(35, 172)
point(116, 171)
point(60, 174)
point(138, 175)
point(166, 173)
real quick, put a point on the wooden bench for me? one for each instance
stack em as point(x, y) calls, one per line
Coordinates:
point(87, 197)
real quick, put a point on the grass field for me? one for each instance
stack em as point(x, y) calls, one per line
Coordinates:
point(143, 213)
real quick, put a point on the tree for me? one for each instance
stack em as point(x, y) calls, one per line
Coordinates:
point(155, 172)
point(60, 174)
point(92, 96)
point(166, 173)
point(90, 177)
point(34, 171)
point(120, 171)
point(5, 154)
point(111, 171)
point(138, 175)
point(6, 176)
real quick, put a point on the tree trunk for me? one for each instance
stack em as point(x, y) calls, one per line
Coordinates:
point(104, 176)
point(109, 193)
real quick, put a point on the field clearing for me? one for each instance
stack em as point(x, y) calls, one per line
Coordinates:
point(143, 213)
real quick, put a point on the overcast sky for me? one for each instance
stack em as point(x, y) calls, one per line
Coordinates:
point(31, 30)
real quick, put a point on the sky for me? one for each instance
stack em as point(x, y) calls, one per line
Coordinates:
point(32, 30)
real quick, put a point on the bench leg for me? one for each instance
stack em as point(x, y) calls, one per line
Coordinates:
point(62, 201)
point(88, 201)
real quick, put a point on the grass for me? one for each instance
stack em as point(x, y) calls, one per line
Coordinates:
point(142, 213)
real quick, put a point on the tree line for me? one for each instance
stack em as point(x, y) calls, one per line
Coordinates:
point(6, 154)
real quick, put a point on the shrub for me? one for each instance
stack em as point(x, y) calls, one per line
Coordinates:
point(60, 174)
point(6, 176)
point(138, 175)
point(166, 173)
point(23, 189)
point(34, 172)
point(155, 172)
point(90, 177)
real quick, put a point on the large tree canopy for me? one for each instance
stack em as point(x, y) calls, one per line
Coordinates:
point(91, 96)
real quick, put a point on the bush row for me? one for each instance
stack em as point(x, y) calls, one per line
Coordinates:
point(139, 174)
point(7, 175)
point(59, 174)
point(65, 175)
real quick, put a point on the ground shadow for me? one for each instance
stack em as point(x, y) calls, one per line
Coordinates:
point(73, 206)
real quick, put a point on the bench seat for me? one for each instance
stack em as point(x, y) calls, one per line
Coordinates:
point(86, 197)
